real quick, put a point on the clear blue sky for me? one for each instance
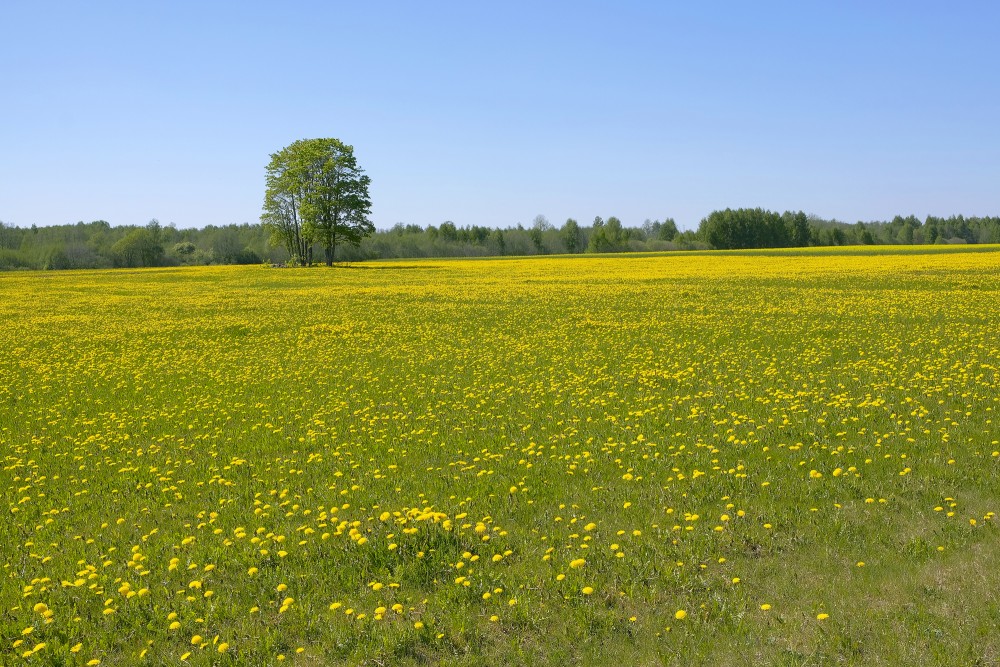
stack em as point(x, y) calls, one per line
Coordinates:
point(491, 113)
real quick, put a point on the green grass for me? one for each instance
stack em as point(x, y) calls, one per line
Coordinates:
point(813, 409)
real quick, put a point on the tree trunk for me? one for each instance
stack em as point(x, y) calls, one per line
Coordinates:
point(329, 255)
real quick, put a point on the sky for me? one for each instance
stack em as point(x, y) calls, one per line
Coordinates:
point(493, 113)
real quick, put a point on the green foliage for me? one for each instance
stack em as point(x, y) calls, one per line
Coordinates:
point(742, 228)
point(608, 236)
point(316, 193)
point(184, 248)
point(797, 228)
point(140, 247)
point(448, 231)
point(572, 236)
point(664, 231)
point(537, 233)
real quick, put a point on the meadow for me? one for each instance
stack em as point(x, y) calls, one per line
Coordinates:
point(782, 458)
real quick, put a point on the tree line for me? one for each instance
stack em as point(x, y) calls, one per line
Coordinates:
point(756, 228)
point(90, 245)
point(99, 245)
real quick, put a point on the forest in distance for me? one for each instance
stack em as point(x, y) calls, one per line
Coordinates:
point(98, 244)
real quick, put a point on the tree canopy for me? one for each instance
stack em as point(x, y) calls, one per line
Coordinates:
point(316, 193)
point(754, 228)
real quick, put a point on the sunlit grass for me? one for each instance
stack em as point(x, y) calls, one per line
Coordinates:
point(769, 458)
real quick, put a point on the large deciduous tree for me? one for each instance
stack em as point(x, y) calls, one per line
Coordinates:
point(316, 193)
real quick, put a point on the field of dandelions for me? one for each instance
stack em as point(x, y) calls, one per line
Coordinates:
point(716, 458)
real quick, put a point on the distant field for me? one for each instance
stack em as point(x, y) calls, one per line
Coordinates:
point(718, 458)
